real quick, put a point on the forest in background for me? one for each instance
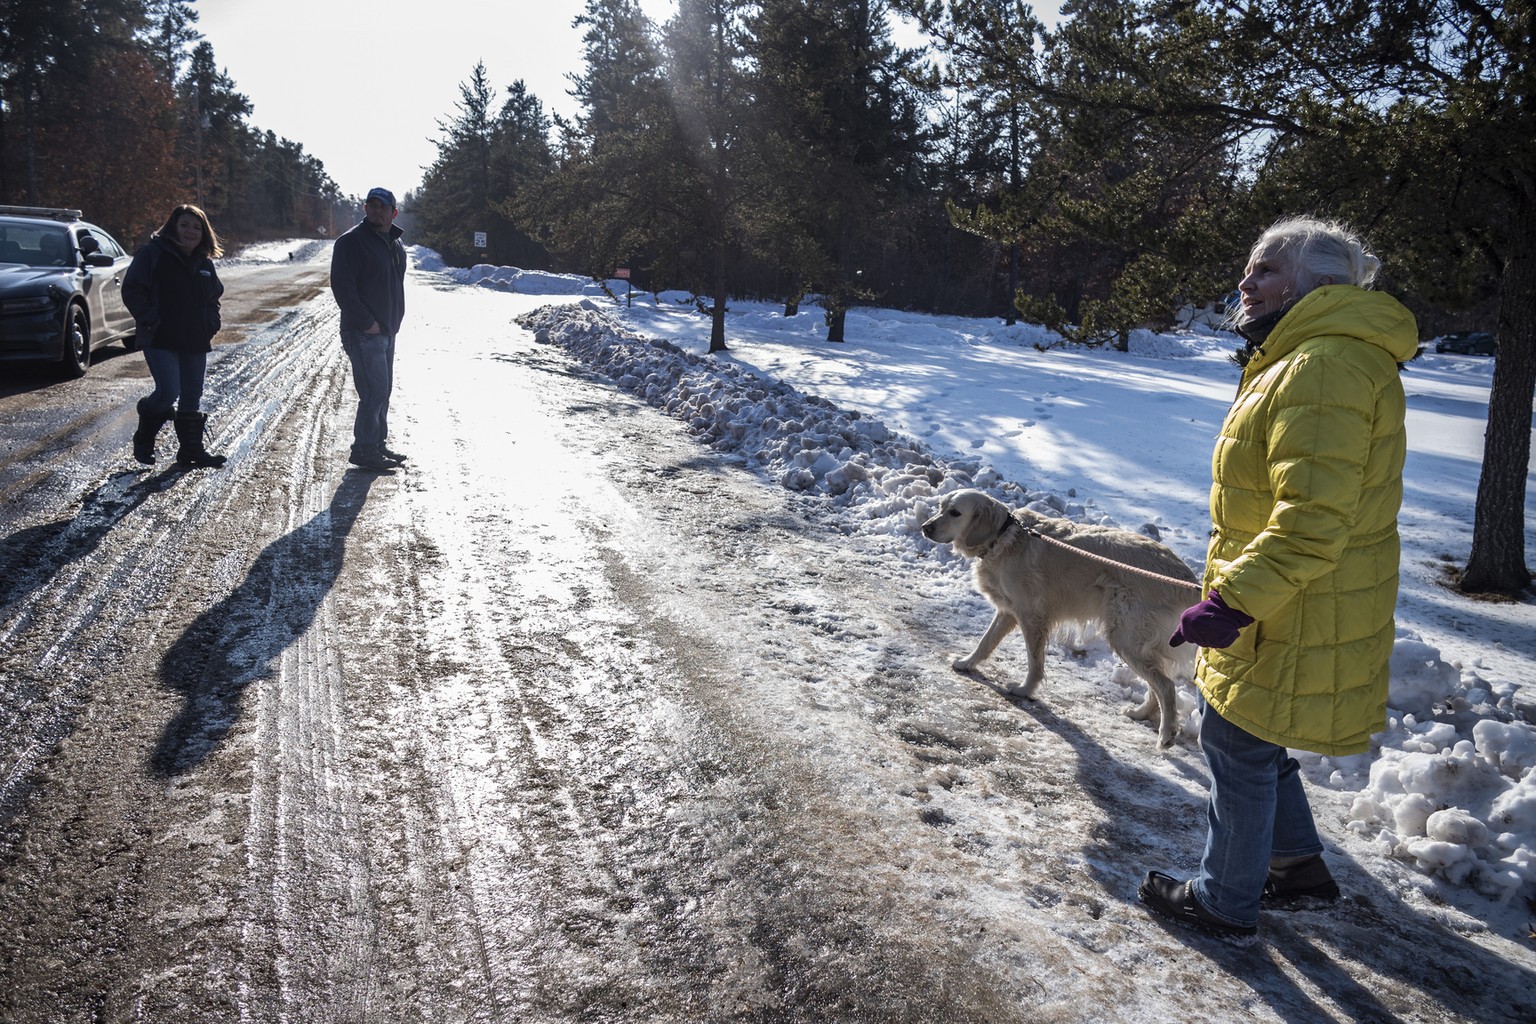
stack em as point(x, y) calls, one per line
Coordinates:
point(119, 106)
point(1095, 176)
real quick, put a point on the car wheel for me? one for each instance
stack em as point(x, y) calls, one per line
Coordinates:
point(77, 342)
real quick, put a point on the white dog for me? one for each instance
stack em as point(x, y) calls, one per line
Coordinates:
point(1036, 584)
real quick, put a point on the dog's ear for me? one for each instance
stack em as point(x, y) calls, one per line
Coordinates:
point(986, 516)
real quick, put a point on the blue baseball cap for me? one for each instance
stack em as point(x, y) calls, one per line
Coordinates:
point(383, 194)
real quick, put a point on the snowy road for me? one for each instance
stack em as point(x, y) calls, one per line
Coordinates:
point(568, 721)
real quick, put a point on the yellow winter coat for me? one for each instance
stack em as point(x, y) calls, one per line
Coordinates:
point(1307, 478)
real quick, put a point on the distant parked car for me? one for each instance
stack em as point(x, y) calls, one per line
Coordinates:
point(61, 288)
point(1467, 343)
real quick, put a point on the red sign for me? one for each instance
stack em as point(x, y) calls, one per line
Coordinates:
point(622, 273)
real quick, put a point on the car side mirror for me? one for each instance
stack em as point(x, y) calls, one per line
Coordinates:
point(98, 259)
point(88, 245)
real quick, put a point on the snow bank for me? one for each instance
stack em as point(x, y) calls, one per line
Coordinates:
point(886, 480)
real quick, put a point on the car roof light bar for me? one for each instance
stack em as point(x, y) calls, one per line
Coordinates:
point(50, 212)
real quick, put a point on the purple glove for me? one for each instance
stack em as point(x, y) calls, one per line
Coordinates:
point(1209, 624)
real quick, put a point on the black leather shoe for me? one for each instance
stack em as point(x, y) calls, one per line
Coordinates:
point(1298, 884)
point(393, 456)
point(371, 461)
point(1174, 900)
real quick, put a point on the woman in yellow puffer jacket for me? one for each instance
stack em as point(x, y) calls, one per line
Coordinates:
point(1301, 572)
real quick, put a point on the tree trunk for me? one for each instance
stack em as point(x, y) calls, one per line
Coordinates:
point(717, 323)
point(836, 320)
point(1011, 317)
point(1496, 564)
point(717, 319)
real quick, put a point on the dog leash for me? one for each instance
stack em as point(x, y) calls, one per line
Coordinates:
point(1186, 584)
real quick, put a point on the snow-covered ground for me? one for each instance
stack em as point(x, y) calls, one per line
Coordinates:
point(913, 406)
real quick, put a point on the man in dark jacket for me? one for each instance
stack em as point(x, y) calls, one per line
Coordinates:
point(368, 281)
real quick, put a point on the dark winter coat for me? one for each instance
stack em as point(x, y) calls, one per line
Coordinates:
point(174, 298)
point(368, 278)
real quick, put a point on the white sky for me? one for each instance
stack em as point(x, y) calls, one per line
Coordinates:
point(362, 86)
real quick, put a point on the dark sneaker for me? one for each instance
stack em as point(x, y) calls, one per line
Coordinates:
point(1174, 900)
point(393, 456)
point(370, 460)
point(1297, 884)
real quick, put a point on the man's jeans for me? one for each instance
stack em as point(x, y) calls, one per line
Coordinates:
point(1257, 810)
point(177, 375)
point(373, 371)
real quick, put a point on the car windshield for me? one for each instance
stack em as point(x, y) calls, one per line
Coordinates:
point(35, 245)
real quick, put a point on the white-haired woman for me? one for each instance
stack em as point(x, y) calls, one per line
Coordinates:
point(1296, 628)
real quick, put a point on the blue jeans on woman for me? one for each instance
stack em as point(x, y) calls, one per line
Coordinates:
point(373, 372)
point(1258, 810)
point(178, 380)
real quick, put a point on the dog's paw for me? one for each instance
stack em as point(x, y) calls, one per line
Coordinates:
point(962, 664)
point(1143, 711)
point(1025, 690)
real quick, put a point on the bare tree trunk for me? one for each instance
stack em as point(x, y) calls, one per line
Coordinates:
point(1012, 316)
point(717, 324)
point(717, 320)
point(1496, 564)
point(837, 319)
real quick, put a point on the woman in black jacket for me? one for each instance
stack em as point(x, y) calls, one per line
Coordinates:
point(173, 293)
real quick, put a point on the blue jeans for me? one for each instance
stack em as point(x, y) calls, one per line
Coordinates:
point(178, 380)
point(1257, 810)
point(373, 372)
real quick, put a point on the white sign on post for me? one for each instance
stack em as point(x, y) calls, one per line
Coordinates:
point(479, 239)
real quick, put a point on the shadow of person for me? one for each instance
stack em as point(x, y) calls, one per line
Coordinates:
point(235, 642)
point(30, 557)
point(38, 585)
point(1368, 936)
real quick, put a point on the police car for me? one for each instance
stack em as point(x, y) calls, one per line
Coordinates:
point(61, 288)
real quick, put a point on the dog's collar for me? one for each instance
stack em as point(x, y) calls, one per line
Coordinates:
point(1009, 523)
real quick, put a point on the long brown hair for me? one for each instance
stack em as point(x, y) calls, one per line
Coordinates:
point(209, 247)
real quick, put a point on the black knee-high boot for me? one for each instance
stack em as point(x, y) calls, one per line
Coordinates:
point(144, 437)
point(189, 432)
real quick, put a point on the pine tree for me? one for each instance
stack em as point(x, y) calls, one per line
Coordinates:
point(171, 32)
point(48, 50)
point(584, 210)
point(989, 46)
point(455, 198)
point(215, 137)
point(845, 125)
point(521, 158)
point(706, 161)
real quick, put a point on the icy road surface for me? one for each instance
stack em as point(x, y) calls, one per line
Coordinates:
point(570, 720)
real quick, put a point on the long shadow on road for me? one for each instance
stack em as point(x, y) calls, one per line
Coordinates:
point(35, 555)
point(236, 642)
point(39, 703)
